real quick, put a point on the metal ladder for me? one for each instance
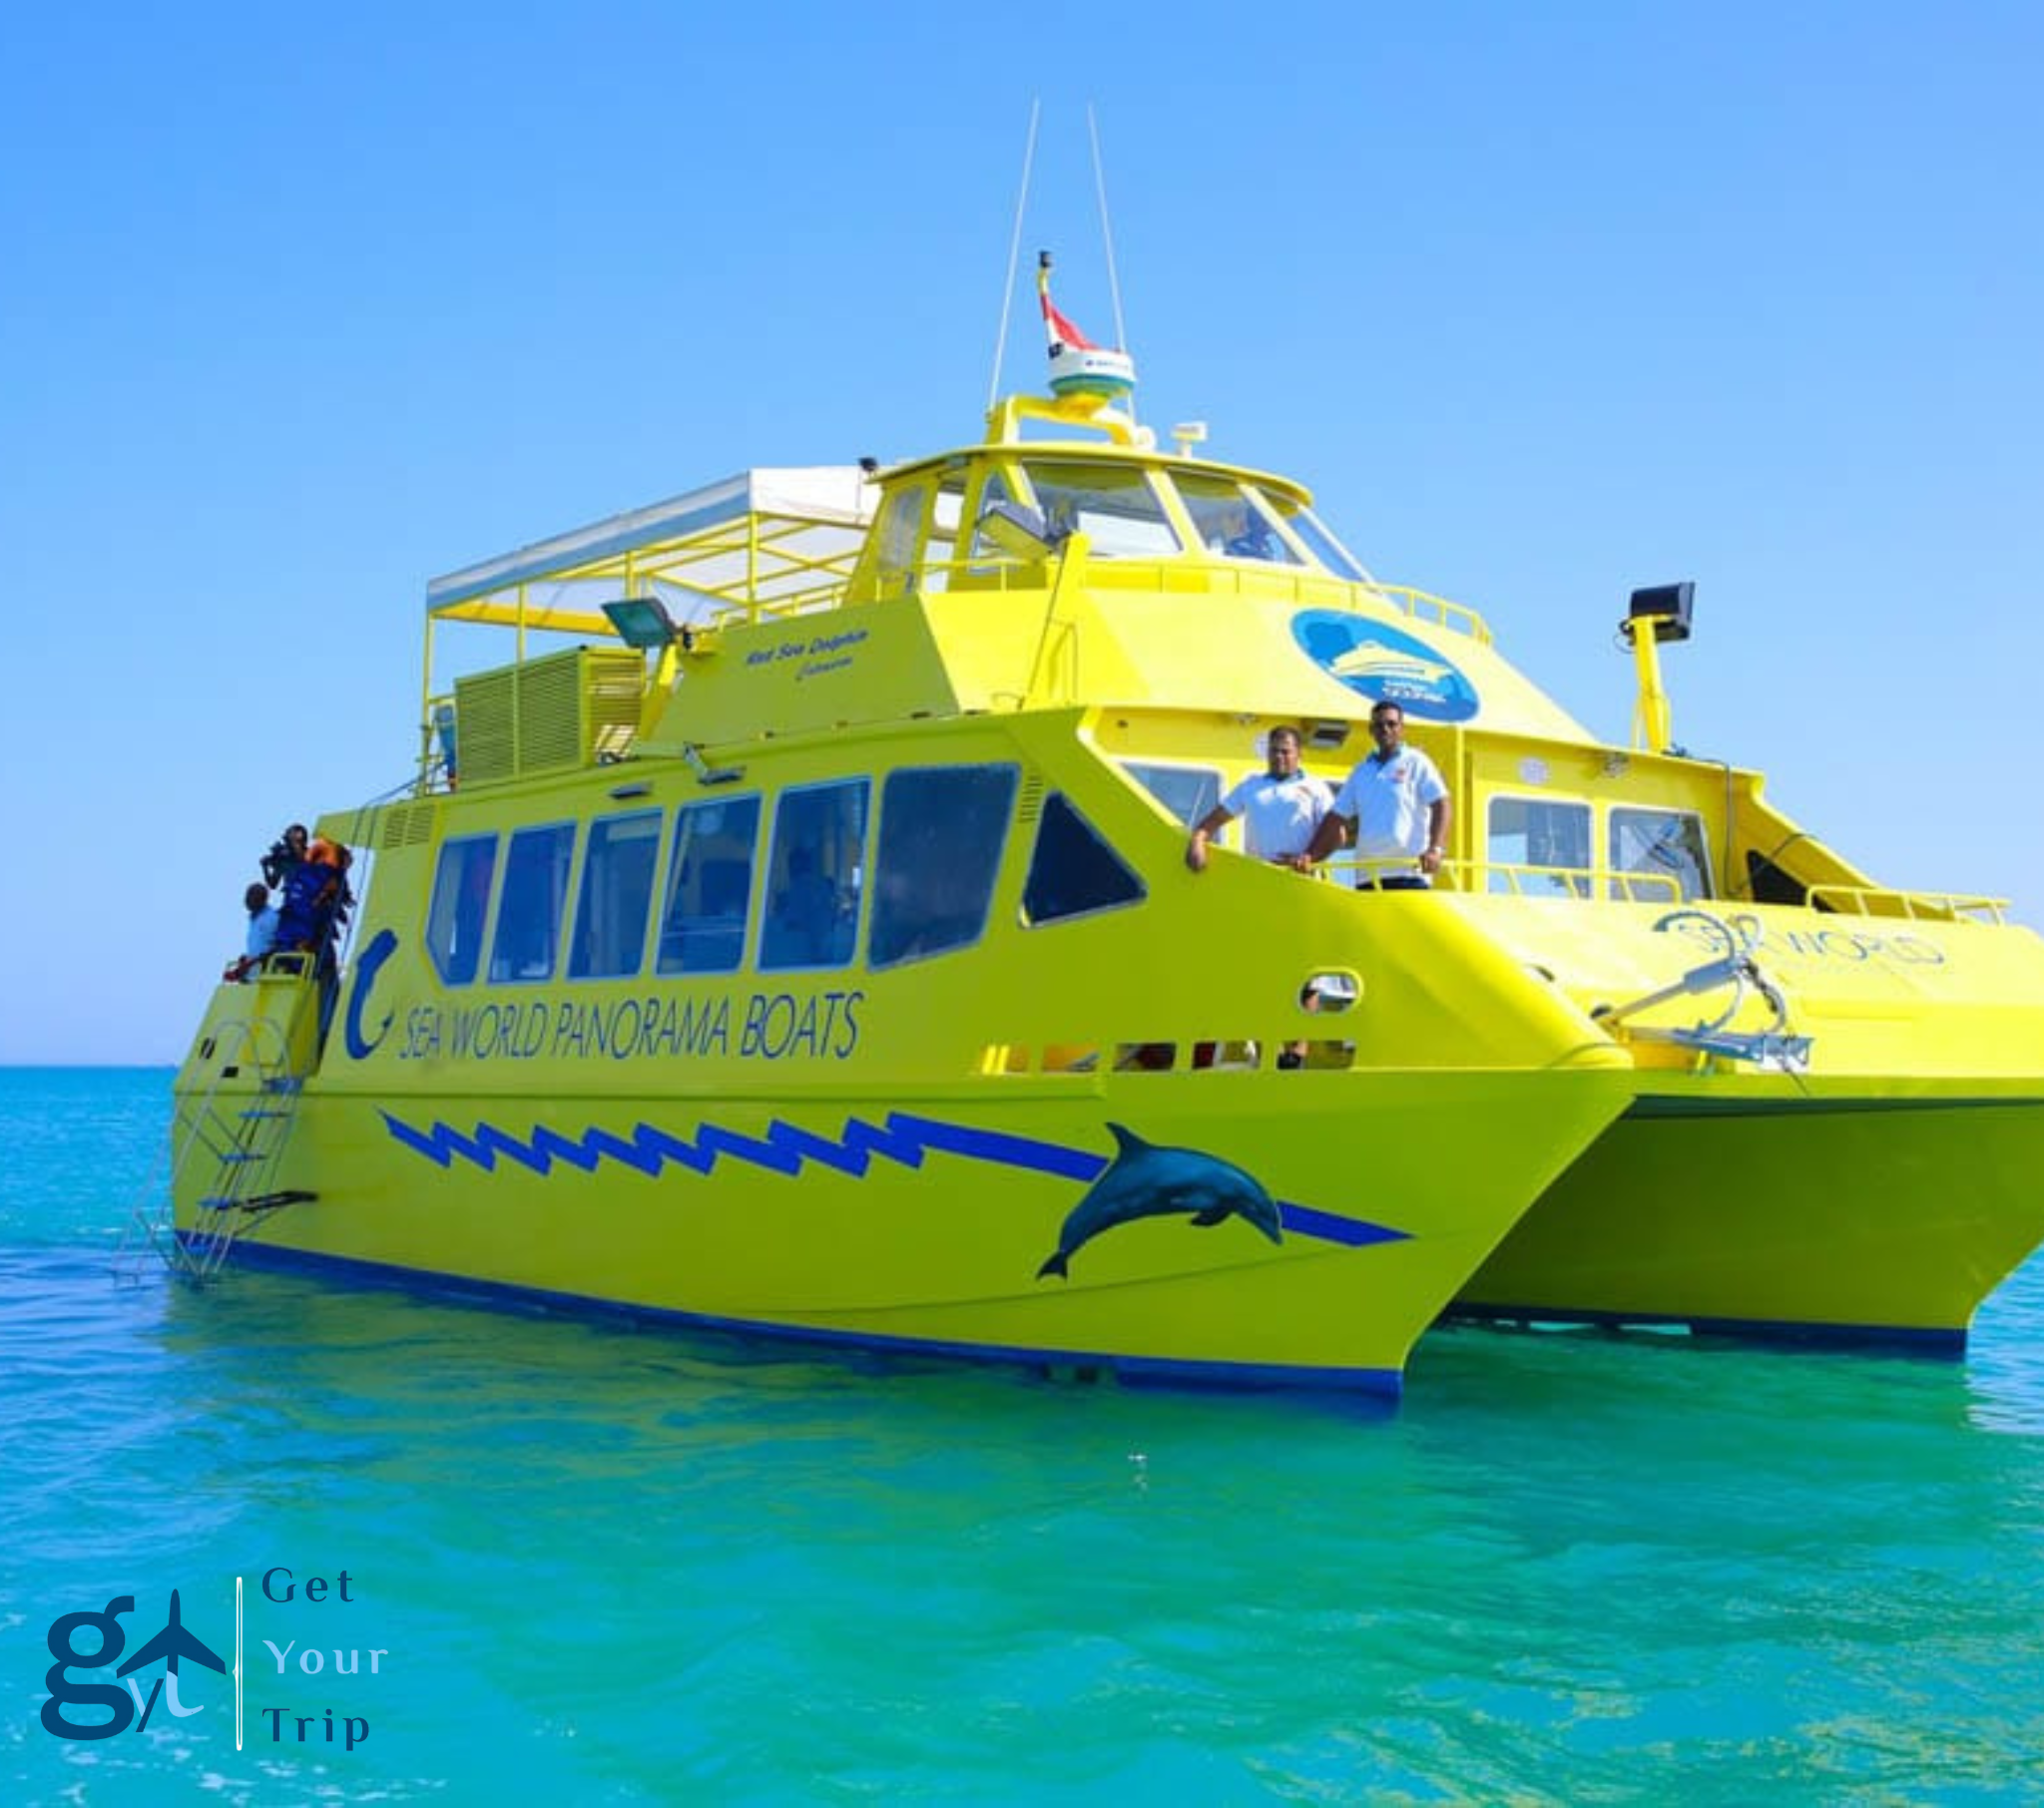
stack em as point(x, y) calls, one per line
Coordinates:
point(244, 1137)
point(238, 1136)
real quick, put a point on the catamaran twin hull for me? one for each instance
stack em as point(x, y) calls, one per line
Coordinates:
point(833, 961)
point(1224, 1222)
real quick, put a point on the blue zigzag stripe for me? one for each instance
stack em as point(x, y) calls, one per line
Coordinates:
point(786, 1147)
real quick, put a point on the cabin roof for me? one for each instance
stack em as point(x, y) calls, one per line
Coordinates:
point(1066, 451)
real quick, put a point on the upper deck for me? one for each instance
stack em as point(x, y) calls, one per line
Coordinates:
point(1079, 566)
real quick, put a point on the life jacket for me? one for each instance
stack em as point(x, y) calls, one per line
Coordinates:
point(311, 894)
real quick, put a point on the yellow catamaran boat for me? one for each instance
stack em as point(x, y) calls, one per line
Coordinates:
point(795, 936)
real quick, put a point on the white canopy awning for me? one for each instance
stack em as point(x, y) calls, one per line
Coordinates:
point(764, 535)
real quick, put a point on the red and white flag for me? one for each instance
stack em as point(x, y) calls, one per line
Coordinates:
point(1058, 329)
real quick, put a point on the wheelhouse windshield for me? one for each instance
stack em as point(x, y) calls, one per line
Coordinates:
point(1233, 521)
point(1307, 530)
point(1126, 511)
point(1115, 506)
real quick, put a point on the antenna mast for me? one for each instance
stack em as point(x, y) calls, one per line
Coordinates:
point(993, 393)
point(1113, 288)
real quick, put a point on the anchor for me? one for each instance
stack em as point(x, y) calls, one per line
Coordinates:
point(1774, 1048)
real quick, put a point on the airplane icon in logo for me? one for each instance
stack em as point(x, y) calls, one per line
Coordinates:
point(168, 1647)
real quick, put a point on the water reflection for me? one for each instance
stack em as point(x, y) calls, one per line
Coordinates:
point(619, 1564)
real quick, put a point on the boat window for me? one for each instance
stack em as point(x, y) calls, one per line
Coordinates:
point(1231, 522)
point(1530, 837)
point(1073, 871)
point(943, 541)
point(1114, 506)
point(895, 537)
point(994, 492)
point(941, 833)
point(815, 877)
point(703, 929)
point(1666, 844)
point(1188, 792)
point(1307, 527)
point(616, 896)
point(461, 897)
point(529, 913)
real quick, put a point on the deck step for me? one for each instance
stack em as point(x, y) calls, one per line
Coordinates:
point(262, 1201)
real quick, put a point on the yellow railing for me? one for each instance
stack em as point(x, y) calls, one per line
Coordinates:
point(1520, 881)
point(794, 603)
point(1424, 606)
point(1878, 901)
point(993, 571)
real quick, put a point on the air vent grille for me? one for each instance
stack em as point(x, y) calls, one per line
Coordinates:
point(406, 825)
point(568, 710)
point(1029, 804)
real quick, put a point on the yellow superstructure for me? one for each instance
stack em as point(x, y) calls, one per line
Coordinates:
point(826, 963)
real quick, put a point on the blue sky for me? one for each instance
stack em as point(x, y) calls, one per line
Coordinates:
point(299, 308)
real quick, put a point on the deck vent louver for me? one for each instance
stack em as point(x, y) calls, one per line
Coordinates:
point(405, 825)
point(568, 710)
point(1029, 804)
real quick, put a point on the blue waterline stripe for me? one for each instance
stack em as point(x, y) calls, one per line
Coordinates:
point(1674, 1104)
point(1916, 1340)
point(459, 1289)
point(904, 1138)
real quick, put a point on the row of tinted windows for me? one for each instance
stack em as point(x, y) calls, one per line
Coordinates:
point(1549, 834)
point(942, 831)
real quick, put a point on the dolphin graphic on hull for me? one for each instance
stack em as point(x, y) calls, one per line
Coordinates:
point(1146, 1180)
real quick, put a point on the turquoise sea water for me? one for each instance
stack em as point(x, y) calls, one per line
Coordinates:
point(619, 1567)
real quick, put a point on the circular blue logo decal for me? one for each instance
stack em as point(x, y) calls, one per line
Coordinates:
point(1385, 665)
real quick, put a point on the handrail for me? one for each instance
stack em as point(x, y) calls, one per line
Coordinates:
point(792, 602)
point(433, 771)
point(1395, 866)
point(1858, 900)
point(997, 570)
point(1423, 606)
point(199, 1130)
point(1578, 883)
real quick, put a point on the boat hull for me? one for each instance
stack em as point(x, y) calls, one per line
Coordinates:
point(930, 1224)
point(1782, 1211)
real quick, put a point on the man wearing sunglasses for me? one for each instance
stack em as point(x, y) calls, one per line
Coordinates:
point(1394, 808)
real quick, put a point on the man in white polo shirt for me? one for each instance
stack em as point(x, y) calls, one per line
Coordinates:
point(1394, 806)
point(1282, 808)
